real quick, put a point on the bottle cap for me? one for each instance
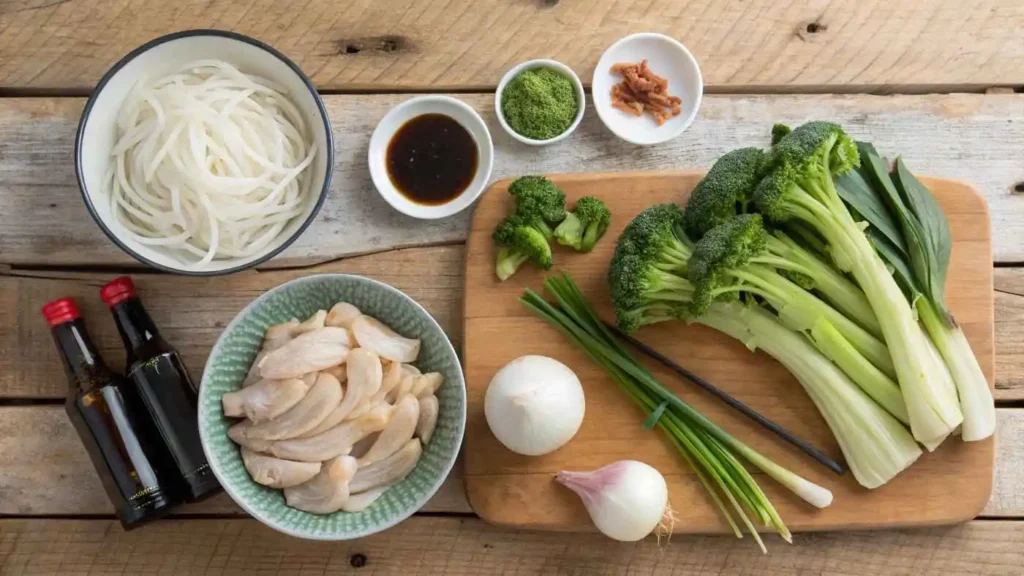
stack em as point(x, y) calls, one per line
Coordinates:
point(60, 311)
point(117, 291)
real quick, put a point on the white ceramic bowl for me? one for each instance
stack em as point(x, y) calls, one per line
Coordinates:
point(402, 113)
point(96, 133)
point(666, 57)
point(581, 98)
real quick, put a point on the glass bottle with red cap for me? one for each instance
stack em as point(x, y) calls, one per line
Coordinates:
point(161, 380)
point(120, 443)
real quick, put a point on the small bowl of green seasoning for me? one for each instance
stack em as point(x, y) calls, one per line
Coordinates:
point(540, 102)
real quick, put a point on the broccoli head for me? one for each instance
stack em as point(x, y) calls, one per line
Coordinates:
point(537, 194)
point(647, 273)
point(585, 225)
point(518, 241)
point(725, 248)
point(724, 192)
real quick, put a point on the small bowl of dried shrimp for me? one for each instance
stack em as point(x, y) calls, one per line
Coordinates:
point(647, 88)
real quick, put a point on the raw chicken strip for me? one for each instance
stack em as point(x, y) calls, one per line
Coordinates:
point(314, 322)
point(428, 418)
point(404, 387)
point(239, 434)
point(343, 314)
point(323, 397)
point(364, 374)
point(277, 473)
point(399, 431)
point(310, 378)
point(280, 334)
point(264, 400)
point(334, 442)
point(338, 372)
point(362, 501)
point(276, 336)
point(392, 377)
point(309, 352)
point(372, 334)
point(426, 384)
point(389, 470)
point(327, 491)
point(359, 449)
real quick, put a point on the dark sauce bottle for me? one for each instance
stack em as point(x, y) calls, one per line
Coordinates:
point(161, 381)
point(105, 414)
point(432, 159)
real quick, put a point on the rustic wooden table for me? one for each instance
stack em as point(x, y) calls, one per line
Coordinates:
point(938, 81)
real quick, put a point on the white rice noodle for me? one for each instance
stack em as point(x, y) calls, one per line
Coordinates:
point(210, 163)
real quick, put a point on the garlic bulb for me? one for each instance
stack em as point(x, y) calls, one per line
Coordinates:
point(534, 405)
point(626, 500)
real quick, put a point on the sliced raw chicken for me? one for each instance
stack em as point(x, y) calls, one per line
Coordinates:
point(264, 400)
point(359, 449)
point(321, 399)
point(327, 492)
point(310, 378)
point(372, 334)
point(398, 431)
point(389, 470)
point(338, 372)
point(362, 501)
point(309, 352)
point(392, 377)
point(277, 473)
point(279, 334)
point(333, 442)
point(426, 384)
point(364, 374)
point(343, 314)
point(239, 434)
point(428, 418)
point(314, 322)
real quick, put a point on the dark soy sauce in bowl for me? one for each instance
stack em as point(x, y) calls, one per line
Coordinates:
point(432, 159)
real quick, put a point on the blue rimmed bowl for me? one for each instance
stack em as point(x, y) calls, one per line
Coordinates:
point(237, 347)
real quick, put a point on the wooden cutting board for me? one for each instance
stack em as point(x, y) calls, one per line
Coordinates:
point(948, 486)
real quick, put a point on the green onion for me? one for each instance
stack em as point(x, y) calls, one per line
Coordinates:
point(708, 449)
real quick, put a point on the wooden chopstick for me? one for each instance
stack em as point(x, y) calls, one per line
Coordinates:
point(747, 411)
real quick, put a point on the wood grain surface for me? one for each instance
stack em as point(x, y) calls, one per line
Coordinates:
point(949, 485)
point(469, 547)
point(29, 367)
point(950, 136)
point(46, 472)
point(387, 44)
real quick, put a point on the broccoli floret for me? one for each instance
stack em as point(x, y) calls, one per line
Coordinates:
point(585, 225)
point(519, 241)
point(537, 193)
point(647, 276)
point(724, 192)
point(779, 131)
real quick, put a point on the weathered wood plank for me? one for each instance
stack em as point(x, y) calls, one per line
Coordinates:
point(457, 547)
point(976, 138)
point(387, 44)
point(192, 312)
point(45, 471)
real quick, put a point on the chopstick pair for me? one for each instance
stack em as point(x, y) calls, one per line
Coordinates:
point(747, 411)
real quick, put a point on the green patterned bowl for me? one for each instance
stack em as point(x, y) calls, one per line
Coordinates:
point(234, 352)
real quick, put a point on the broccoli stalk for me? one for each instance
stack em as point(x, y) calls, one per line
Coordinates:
point(799, 186)
point(732, 259)
point(585, 225)
point(648, 284)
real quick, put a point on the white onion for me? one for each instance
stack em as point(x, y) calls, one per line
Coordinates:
point(534, 405)
point(209, 163)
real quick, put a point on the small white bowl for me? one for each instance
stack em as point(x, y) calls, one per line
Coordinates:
point(581, 99)
point(666, 57)
point(402, 113)
point(97, 133)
